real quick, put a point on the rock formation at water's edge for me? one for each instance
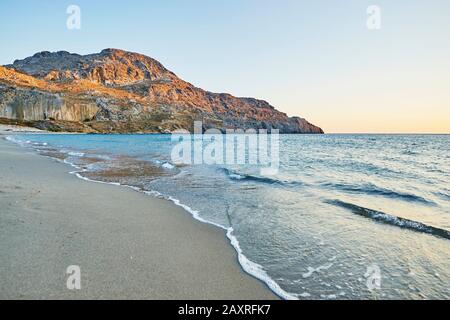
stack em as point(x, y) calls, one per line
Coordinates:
point(120, 91)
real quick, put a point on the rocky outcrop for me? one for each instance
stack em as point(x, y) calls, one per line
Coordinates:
point(18, 103)
point(119, 91)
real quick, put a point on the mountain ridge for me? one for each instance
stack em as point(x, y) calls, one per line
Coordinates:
point(120, 91)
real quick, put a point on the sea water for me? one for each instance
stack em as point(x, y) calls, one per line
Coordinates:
point(345, 216)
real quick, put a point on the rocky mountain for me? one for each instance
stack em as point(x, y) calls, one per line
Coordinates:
point(120, 91)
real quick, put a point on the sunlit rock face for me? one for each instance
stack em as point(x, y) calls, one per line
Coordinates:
point(120, 91)
point(40, 105)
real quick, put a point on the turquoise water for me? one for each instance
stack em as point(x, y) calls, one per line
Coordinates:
point(340, 207)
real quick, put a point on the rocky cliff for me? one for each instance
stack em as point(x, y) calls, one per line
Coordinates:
point(120, 91)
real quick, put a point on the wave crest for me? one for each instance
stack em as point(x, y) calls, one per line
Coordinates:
point(391, 219)
point(248, 177)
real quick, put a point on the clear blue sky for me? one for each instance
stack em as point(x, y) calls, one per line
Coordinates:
point(315, 58)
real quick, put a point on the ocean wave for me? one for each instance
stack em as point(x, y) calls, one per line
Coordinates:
point(72, 153)
point(247, 265)
point(248, 177)
point(14, 139)
point(38, 143)
point(26, 143)
point(391, 219)
point(372, 189)
point(167, 165)
point(17, 141)
point(164, 164)
point(312, 270)
point(443, 195)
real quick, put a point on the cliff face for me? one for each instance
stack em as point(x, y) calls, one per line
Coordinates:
point(17, 103)
point(119, 91)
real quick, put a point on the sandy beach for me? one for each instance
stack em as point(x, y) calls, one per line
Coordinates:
point(128, 245)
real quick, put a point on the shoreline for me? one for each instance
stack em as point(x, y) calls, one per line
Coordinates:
point(209, 258)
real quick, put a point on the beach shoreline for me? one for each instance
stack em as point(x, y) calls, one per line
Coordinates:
point(128, 245)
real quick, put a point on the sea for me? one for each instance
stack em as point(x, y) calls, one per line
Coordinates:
point(351, 216)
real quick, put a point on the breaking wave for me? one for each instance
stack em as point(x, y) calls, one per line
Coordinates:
point(391, 219)
point(261, 179)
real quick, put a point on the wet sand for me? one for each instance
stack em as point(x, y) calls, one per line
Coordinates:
point(128, 245)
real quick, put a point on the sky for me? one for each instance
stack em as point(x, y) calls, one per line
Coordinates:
point(316, 59)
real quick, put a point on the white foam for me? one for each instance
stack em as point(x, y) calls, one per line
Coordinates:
point(311, 270)
point(71, 153)
point(37, 143)
point(76, 154)
point(236, 176)
point(247, 265)
point(23, 143)
point(167, 165)
point(10, 138)
point(15, 140)
point(304, 295)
